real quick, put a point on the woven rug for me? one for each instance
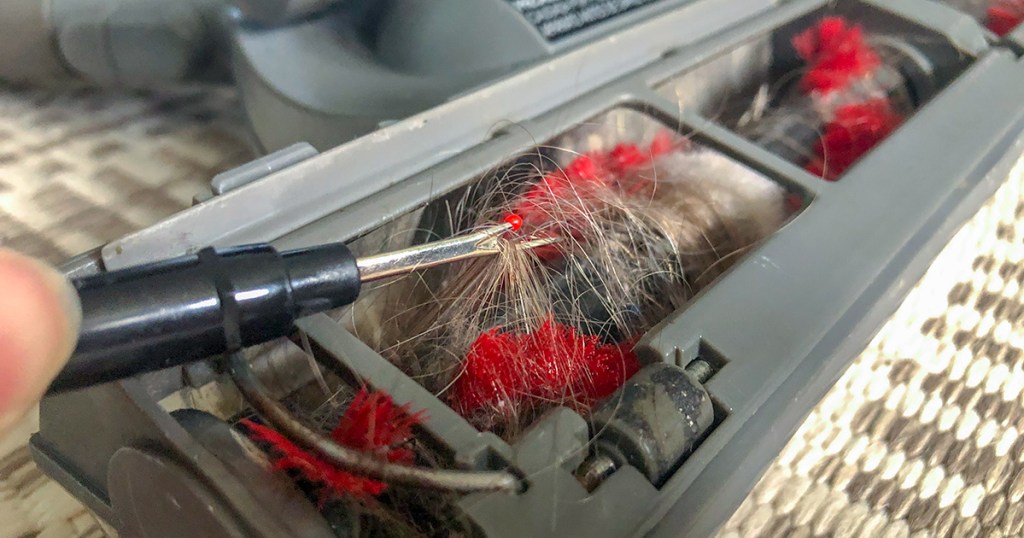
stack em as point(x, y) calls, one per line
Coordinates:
point(78, 169)
point(920, 437)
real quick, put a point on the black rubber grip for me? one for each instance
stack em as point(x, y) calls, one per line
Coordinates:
point(170, 313)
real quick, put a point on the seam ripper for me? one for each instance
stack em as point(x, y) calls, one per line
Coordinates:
point(172, 312)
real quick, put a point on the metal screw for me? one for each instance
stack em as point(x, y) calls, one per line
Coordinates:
point(701, 370)
point(595, 470)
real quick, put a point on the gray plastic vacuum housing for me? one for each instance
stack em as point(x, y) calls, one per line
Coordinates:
point(779, 328)
point(319, 71)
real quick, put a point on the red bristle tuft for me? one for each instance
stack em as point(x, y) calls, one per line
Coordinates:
point(854, 130)
point(548, 207)
point(289, 457)
point(836, 54)
point(610, 366)
point(507, 372)
point(584, 167)
point(1004, 16)
point(624, 157)
point(372, 423)
point(664, 141)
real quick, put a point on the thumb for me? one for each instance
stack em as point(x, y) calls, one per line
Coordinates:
point(39, 321)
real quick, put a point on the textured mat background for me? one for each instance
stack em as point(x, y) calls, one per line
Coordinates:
point(921, 437)
point(78, 169)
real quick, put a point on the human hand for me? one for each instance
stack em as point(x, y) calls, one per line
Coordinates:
point(39, 321)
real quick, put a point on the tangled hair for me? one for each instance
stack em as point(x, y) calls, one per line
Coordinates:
point(640, 231)
point(849, 96)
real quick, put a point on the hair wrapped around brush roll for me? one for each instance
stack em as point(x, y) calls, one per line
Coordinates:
point(642, 229)
point(850, 96)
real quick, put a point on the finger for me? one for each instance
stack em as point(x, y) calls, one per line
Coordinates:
point(39, 320)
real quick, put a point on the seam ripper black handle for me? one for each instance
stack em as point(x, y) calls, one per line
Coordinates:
point(169, 313)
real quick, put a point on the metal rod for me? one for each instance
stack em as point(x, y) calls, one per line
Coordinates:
point(486, 242)
point(357, 462)
point(482, 243)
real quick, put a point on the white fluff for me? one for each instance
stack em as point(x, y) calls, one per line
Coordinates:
point(737, 191)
